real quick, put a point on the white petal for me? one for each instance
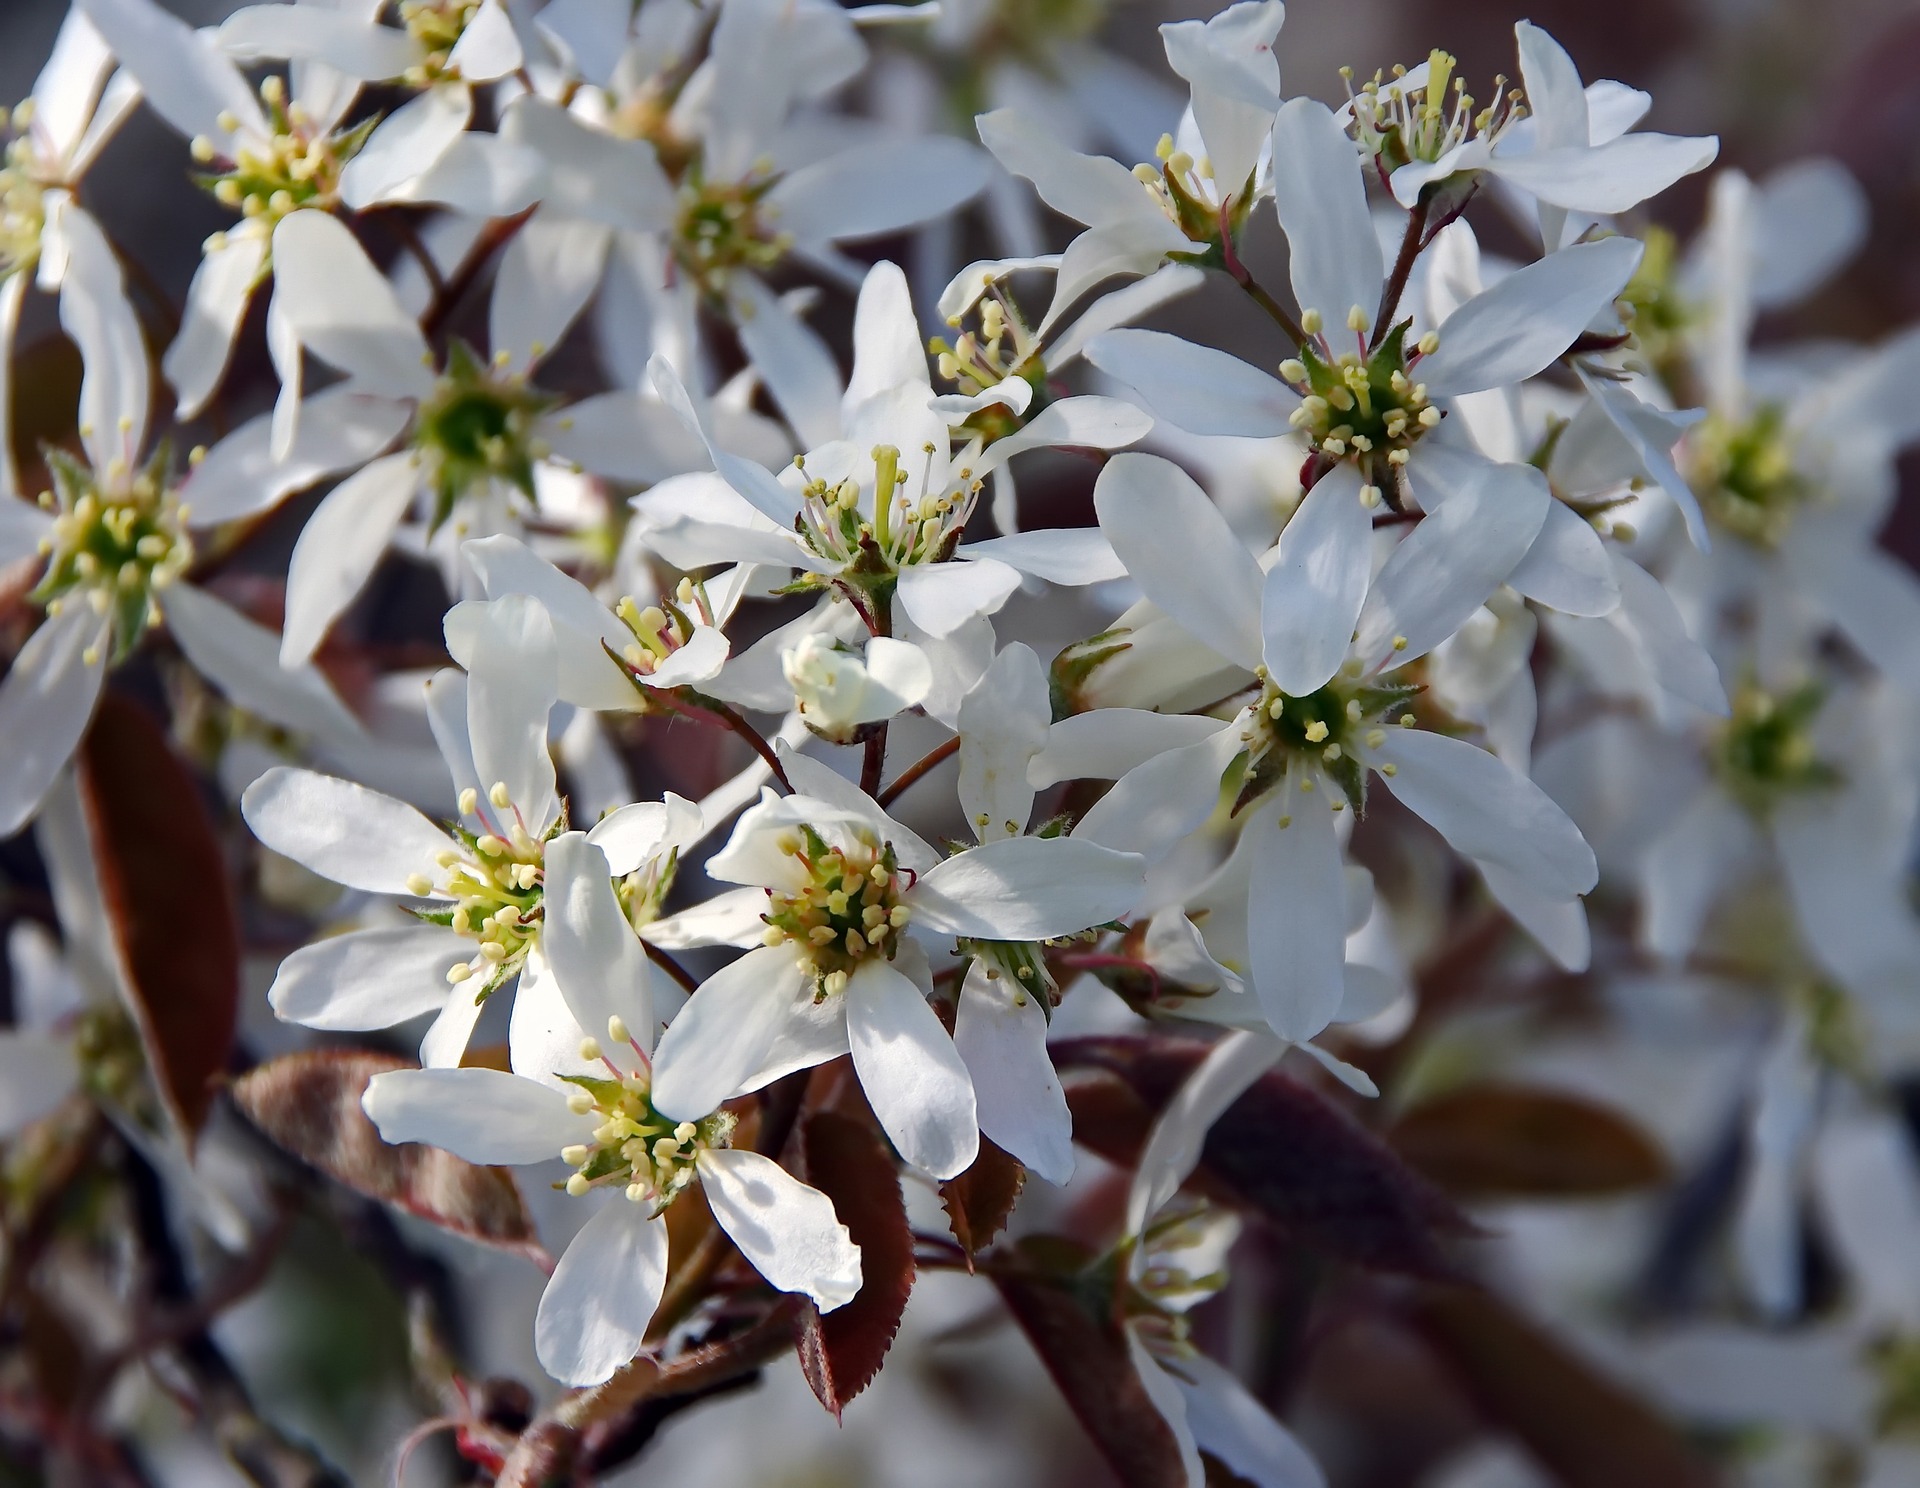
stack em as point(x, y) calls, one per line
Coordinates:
point(724, 1032)
point(338, 549)
point(753, 482)
point(1229, 63)
point(1558, 101)
point(1488, 811)
point(343, 309)
point(1193, 387)
point(182, 72)
point(345, 42)
point(632, 834)
point(1467, 544)
point(342, 831)
point(1155, 805)
point(94, 312)
point(625, 436)
point(592, 176)
point(13, 293)
point(887, 349)
point(46, 701)
point(1026, 888)
point(942, 597)
point(1559, 925)
point(242, 475)
point(1107, 743)
point(405, 145)
point(788, 1230)
point(444, 1044)
point(1322, 202)
point(1088, 188)
point(477, 175)
point(1171, 1402)
point(1228, 1423)
point(486, 1116)
point(913, 1076)
point(216, 304)
point(1296, 917)
point(242, 659)
point(1001, 1033)
point(1607, 178)
point(1652, 439)
point(1130, 303)
point(1685, 869)
point(488, 47)
point(511, 689)
point(1649, 618)
point(368, 978)
point(45, 989)
point(594, 1313)
point(1136, 246)
point(1072, 423)
point(37, 1072)
point(586, 677)
point(1567, 568)
point(794, 363)
point(597, 960)
point(1181, 552)
point(878, 188)
point(548, 273)
point(1813, 218)
point(1310, 600)
point(1060, 555)
point(1523, 324)
point(1173, 1147)
point(22, 527)
point(1003, 724)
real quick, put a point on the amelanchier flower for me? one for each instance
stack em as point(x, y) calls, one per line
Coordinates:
point(78, 102)
point(878, 514)
point(1302, 753)
point(848, 903)
point(474, 433)
point(598, 1113)
point(113, 539)
point(261, 155)
point(476, 890)
point(444, 49)
point(1173, 1258)
point(1566, 147)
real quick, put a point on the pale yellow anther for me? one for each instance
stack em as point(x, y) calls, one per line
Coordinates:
point(1429, 343)
point(493, 847)
point(500, 795)
point(579, 1102)
point(1389, 771)
point(578, 1153)
point(617, 1029)
point(1311, 322)
point(458, 974)
point(578, 1185)
point(590, 1050)
point(469, 801)
point(419, 883)
point(1294, 370)
point(1316, 731)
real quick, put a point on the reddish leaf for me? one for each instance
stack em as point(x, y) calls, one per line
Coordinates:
point(165, 882)
point(1281, 1149)
point(842, 1351)
point(1587, 1430)
point(309, 1103)
point(980, 1201)
point(1086, 1353)
point(1488, 1139)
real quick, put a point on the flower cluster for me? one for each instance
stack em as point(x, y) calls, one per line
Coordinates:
point(1508, 589)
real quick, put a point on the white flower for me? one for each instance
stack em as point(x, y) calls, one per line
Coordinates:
point(1309, 748)
point(595, 1109)
point(1568, 147)
point(482, 881)
point(837, 689)
point(57, 132)
point(843, 899)
point(475, 433)
point(823, 517)
point(443, 48)
point(114, 537)
point(1175, 1259)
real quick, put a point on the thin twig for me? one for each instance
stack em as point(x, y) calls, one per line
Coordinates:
point(1411, 242)
point(493, 237)
point(698, 705)
point(918, 770)
point(1238, 272)
point(422, 255)
point(689, 983)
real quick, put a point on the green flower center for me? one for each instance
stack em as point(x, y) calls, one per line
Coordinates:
point(1335, 728)
point(477, 427)
point(498, 888)
point(1766, 749)
point(724, 226)
point(850, 909)
point(113, 546)
point(1745, 475)
point(297, 166)
point(649, 1155)
point(1361, 406)
point(1656, 311)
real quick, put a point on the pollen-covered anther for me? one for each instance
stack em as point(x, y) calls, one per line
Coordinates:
point(845, 912)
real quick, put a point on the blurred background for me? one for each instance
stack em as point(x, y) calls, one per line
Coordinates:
point(964, 1402)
